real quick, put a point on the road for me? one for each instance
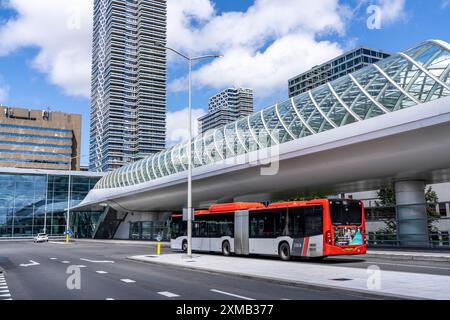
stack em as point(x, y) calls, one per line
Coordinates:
point(39, 271)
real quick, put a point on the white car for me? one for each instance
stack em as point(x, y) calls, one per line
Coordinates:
point(41, 237)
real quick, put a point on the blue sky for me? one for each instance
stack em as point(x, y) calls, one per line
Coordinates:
point(43, 66)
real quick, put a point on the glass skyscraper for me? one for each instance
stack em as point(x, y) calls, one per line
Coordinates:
point(128, 111)
point(35, 201)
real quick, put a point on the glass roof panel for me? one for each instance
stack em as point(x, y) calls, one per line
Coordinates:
point(285, 124)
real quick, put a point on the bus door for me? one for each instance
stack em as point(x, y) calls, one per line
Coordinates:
point(241, 227)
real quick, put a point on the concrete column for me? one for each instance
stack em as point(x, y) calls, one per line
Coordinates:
point(412, 222)
point(447, 209)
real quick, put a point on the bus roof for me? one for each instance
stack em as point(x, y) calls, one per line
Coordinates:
point(291, 204)
point(235, 206)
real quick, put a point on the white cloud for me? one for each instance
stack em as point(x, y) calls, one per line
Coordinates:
point(392, 10)
point(264, 71)
point(62, 32)
point(263, 46)
point(177, 125)
point(445, 4)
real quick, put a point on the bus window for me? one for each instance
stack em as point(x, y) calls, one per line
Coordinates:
point(200, 229)
point(305, 221)
point(313, 221)
point(178, 228)
point(267, 223)
point(296, 222)
point(345, 212)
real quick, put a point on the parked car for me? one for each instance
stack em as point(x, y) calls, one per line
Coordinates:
point(41, 237)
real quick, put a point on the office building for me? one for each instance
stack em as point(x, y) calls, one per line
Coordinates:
point(39, 139)
point(334, 69)
point(128, 108)
point(225, 107)
point(34, 201)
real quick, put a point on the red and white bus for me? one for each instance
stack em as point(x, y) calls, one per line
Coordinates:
point(316, 229)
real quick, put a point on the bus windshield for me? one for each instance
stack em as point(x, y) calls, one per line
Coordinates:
point(344, 212)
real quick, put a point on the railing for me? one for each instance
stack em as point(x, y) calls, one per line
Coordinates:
point(440, 239)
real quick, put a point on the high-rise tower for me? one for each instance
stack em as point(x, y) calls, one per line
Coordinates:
point(128, 110)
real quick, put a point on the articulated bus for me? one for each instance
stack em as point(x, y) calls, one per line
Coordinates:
point(315, 229)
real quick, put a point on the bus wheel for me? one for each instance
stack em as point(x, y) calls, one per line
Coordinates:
point(284, 251)
point(226, 251)
point(184, 246)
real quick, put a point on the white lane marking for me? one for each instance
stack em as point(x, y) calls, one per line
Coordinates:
point(80, 266)
point(5, 295)
point(168, 294)
point(53, 258)
point(65, 261)
point(3, 287)
point(32, 263)
point(110, 299)
point(7, 299)
point(97, 261)
point(101, 272)
point(127, 280)
point(286, 299)
point(231, 294)
point(4, 291)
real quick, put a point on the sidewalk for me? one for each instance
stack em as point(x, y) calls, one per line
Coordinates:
point(392, 283)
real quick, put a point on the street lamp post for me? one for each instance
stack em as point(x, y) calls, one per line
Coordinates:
point(189, 199)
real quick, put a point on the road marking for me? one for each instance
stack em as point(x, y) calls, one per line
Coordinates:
point(127, 280)
point(231, 294)
point(65, 262)
point(80, 266)
point(110, 299)
point(4, 291)
point(53, 258)
point(285, 299)
point(32, 263)
point(97, 261)
point(101, 272)
point(168, 294)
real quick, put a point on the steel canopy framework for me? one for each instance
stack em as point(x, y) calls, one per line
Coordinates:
point(419, 75)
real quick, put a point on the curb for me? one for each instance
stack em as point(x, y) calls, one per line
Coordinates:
point(363, 293)
point(408, 257)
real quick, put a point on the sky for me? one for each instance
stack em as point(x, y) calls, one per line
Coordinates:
point(45, 47)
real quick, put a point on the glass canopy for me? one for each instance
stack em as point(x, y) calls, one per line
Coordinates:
point(419, 75)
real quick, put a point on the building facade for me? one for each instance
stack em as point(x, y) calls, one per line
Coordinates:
point(334, 69)
point(34, 201)
point(226, 107)
point(39, 139)
point(128, 108)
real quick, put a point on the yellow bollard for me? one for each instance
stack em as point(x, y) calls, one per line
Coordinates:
point(67, 238)
point(158, 248)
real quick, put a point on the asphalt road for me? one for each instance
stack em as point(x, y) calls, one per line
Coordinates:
point(39, 271)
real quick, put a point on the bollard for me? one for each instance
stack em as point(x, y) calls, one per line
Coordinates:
point(67, 238)
point(158, 248)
